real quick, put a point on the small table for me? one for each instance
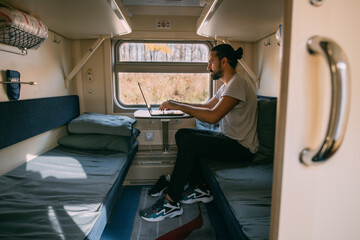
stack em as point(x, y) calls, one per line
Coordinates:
point(144, 114)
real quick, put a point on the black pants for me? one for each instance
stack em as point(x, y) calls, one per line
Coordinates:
point(195, 144)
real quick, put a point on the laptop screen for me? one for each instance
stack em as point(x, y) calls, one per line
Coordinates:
point(145, 99)
point(159, 112)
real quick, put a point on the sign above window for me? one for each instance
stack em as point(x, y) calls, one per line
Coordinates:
point(163, 24)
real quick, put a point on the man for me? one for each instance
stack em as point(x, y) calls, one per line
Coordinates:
point(235, 108)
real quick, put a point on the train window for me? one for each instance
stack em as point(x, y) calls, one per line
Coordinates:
point(166, 70)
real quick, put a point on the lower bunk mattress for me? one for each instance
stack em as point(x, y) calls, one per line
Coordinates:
point(243, 196)
point(61, 194)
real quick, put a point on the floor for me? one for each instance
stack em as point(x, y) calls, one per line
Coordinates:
point(125, 222)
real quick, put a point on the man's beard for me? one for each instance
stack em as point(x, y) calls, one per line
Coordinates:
point(217, 75)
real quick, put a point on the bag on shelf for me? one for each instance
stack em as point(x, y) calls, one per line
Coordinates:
point(20, 29)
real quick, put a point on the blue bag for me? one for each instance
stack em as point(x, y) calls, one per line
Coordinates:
point(13, 89)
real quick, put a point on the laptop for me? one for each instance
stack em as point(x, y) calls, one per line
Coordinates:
point(159, 112)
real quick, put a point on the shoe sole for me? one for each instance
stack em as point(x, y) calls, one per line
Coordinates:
point(158, 194)
point(203, 200)
point(158, 219)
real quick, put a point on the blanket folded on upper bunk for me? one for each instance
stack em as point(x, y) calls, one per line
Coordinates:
point(102, 124)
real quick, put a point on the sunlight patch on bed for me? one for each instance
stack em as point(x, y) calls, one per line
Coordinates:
point(70, 168)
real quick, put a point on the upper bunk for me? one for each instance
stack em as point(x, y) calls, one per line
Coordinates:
point(240, 20)
point(78, 19)
point(233, 20)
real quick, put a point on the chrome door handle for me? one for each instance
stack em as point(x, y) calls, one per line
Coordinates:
point(340, 99)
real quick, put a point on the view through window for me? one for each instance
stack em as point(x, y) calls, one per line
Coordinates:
point(165, 70)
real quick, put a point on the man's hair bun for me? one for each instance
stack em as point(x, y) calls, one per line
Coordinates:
point(226, 50)
point(239, 53)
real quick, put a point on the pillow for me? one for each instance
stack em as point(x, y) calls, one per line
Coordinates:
point(100, 142)
point(266, 130)
point(102, 124)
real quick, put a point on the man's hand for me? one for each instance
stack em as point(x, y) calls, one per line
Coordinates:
point(168, 105)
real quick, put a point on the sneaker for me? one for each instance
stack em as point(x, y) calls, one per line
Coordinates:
point(192, 195)
point(160, 186)
point(161, 210)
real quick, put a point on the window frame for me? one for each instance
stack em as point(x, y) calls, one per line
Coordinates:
point(155, 67)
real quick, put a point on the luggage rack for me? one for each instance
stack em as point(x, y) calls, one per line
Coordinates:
point(20, 29)
point(11, 35)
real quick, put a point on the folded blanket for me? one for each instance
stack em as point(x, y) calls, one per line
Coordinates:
point(102, 124)
point(100, 142)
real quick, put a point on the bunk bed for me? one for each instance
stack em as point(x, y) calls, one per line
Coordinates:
point(69, 191)
point(242, 190)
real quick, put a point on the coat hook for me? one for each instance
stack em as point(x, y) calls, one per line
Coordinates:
point(268, 42)
point(55, 40)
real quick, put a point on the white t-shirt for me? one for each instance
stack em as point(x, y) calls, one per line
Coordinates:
point(241, 122)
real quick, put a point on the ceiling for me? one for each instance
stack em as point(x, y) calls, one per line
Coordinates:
point(167, 3)
point(240, 20)
point(164, 7)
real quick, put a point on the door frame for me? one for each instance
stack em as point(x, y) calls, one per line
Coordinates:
point(281, 123)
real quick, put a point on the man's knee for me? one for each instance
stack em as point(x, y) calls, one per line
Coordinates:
point(186, 135)
point(180, 133)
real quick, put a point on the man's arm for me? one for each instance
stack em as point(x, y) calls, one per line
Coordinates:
point(209, 104)
point(211, 112)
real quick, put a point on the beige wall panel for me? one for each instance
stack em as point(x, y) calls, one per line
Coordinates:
point(177, 23)
point(94, 89)
point(48, 66)
point(155, 127)
point(267, 61)
point(182, 28)
point(146, 174)
point(108, 76)
point(14, 155)
point(248, 57)
point(77, 80)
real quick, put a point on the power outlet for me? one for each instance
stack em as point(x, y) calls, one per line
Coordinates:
point(149, 136)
